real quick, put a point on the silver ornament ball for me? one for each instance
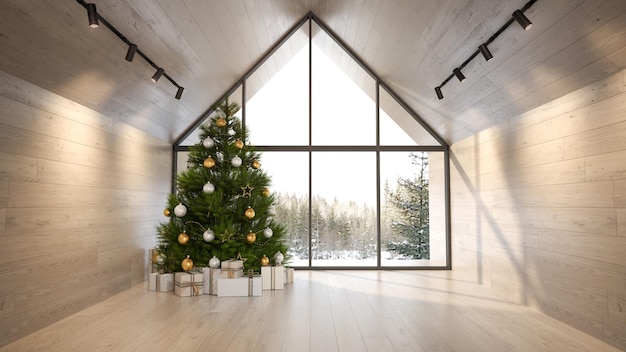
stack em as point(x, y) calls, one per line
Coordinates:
point(208, 235)
point(208, 142)
point(180, 210)
point(214, 262)
point(278, 258)
point(208, 188)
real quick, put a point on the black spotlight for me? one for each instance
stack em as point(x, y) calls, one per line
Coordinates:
point(159, 72)
point(179, 92)
point(439, 94)
point(485, 51)
point(130, 54)
point(92, 14)
point(523, 21)
point(459, 74)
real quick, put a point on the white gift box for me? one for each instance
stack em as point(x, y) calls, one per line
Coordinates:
point(210, 279)
point(161, 282)
point(240, 287)
point(289, 275)
point(273, 277)
point(188, 283)
point(232, 269)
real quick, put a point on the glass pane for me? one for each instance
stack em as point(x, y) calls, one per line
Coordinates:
point(277, 94)
point(194, 137)
point(289, 172)
point(398, 127)
point(343, 96)
point(413, 229)
point(181, 162)
point(344, 209)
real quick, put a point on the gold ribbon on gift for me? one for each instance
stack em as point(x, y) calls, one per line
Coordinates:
point(195, 291)
point(158, 283)
point(250, 282)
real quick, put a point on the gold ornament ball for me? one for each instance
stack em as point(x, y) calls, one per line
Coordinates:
point(265, 261)
point(167, 212)
point(251, 237)
point(183, 238)
point(238, 144)
point(265, 192)
point(209, 162)
point(256, 164)
point(187, 264)
point(155, 255)
point(220, 122)
point(250, 213)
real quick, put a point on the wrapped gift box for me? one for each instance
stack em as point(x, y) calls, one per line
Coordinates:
point(232, 269)
point(273, 277)
point(240, 287)
point(210, 279)
point(188, 283)
point(161, 282)
point(289, 272)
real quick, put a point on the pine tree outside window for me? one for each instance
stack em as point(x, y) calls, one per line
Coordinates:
point(360, 181)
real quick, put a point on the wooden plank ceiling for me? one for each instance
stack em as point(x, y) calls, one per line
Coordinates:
point(413, 45)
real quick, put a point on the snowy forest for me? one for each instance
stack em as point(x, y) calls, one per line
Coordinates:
point(349, 231)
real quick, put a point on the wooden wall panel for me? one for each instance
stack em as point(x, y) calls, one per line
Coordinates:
point(610, 166)
point(591, 194)
point(4, 193)
point(16, 167)
point(80, 198)
point(545, 205)
point(620, 193)
point(621, 221)
point(25, 194)
point(22, 142)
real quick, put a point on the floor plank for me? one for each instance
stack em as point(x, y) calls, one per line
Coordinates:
point(321, 311)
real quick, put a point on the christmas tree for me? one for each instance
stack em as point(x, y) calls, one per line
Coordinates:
point(223, 206)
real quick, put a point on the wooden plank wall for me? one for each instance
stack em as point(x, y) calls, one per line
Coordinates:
point(80, 198)
point(539, 209)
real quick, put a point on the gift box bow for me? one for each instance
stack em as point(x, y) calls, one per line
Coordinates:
point(193, 284)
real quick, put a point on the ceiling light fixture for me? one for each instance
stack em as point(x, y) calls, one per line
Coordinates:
point(518, 16)
point(92, 15)
point(130, 54)
point(523, 21)
point(179, 92)
point(159, 72)
point(457, 72)
point(95, 18)
point(439, 93)
point(485, 51)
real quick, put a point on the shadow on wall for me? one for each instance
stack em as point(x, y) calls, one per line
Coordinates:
point(497, 265)
point(538, 209)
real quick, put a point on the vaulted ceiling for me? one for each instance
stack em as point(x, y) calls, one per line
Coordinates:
point(412, 45)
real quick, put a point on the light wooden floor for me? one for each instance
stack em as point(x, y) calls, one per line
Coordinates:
point(321, 311)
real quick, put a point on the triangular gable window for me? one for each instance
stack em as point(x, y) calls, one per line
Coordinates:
point(346, 156)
